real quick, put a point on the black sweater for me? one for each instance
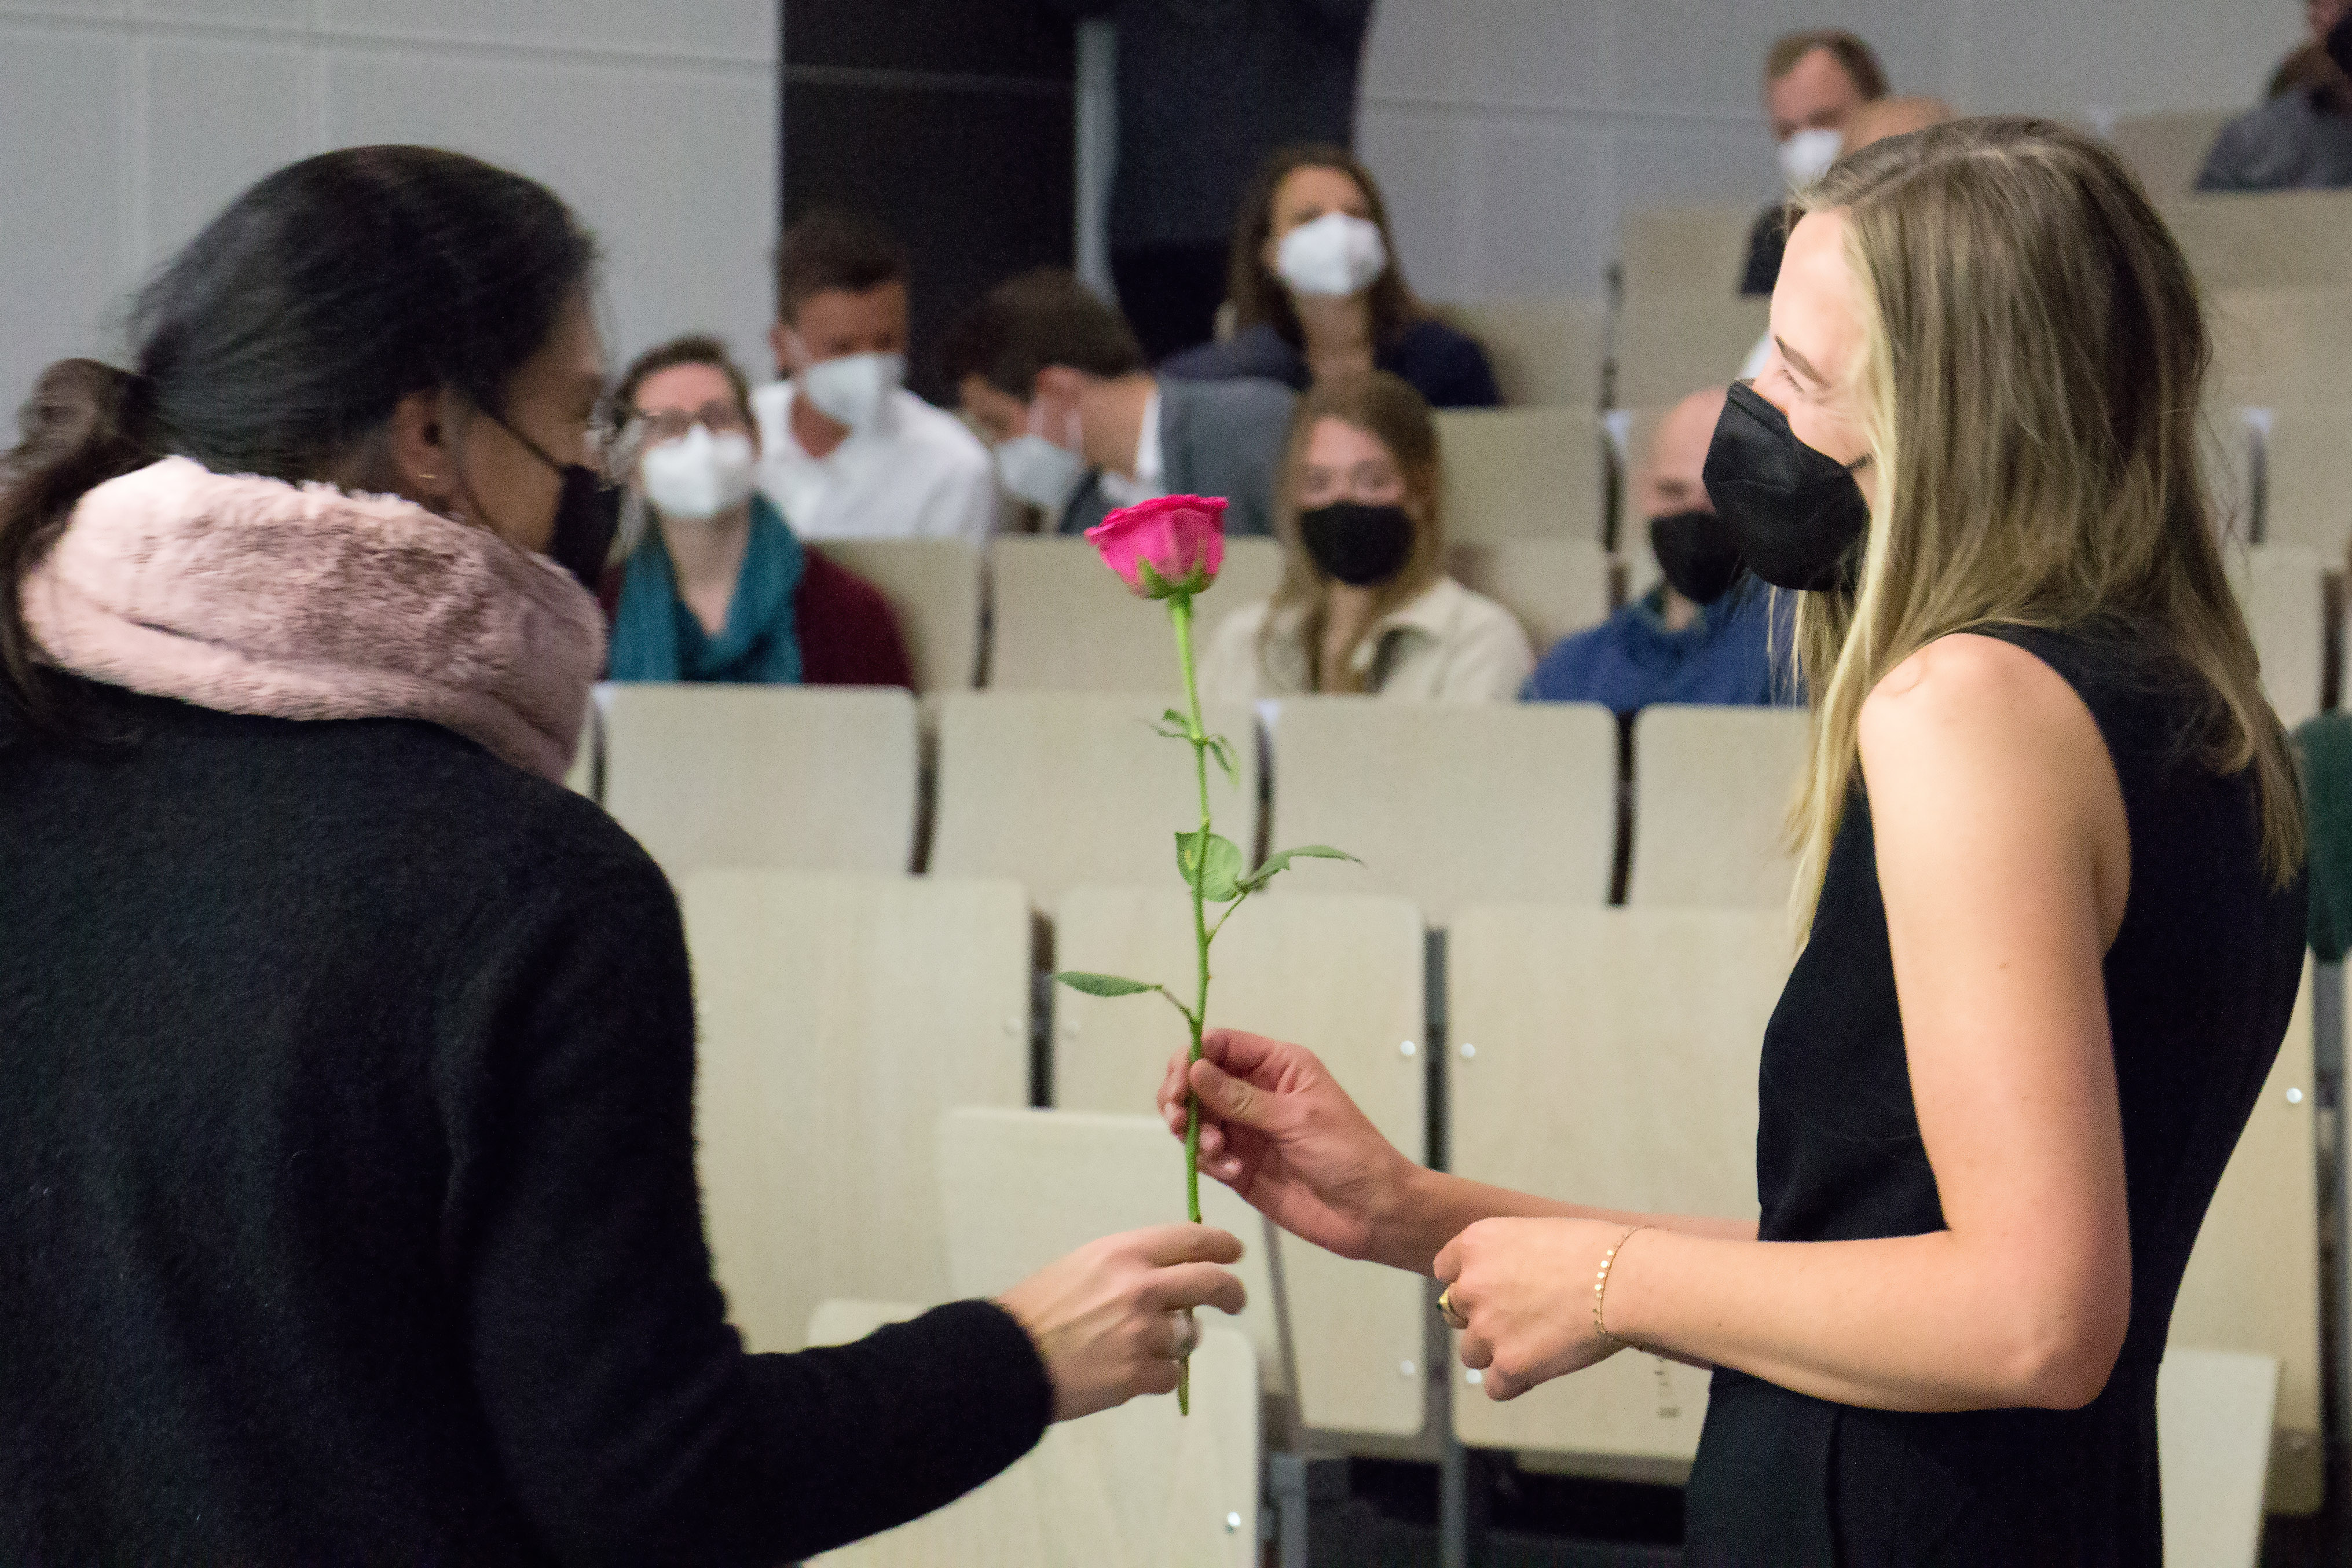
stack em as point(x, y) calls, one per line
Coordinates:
point(347, 1186)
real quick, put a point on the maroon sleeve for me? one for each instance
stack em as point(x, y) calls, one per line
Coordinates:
point(848, 635)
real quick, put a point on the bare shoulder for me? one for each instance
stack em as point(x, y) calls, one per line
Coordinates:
point(1965, 685)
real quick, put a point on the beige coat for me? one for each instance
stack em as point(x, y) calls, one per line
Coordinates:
point(1445, 644)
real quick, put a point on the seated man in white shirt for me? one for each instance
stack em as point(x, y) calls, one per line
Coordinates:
point(845, 451)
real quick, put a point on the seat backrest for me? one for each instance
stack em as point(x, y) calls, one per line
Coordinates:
point(2213, 1415)
point(1545, 353)
point(1064, 621)
point(2277, 239)
point(1138, 1487)
point(1685, 251)
point(2283, 347)
point(1671, 346)
point(933, 586)
point(812, 777)
point(2283, 588)
point(2168, 150)
point(1447, 803)
point(1057, 788)
point(1341, 975)
point(1021, 1188)
point(840, 1017)
point(1712, 789)
point(1522, 473)
point(586, 775)
point(2307, 480)
point(1554, 587)
point(1611, 1055)
point(2252, 1283)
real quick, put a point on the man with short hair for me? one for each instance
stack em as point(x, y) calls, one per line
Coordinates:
point(1813, 81)
point(1700, 635)
point(1080, 426)
point(845, 451)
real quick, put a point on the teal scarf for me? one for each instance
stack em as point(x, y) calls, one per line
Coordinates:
point(656, 638)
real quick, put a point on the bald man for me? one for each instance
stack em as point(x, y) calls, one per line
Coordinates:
point(1700, 635)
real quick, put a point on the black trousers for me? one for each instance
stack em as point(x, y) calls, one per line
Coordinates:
point(1170, 294)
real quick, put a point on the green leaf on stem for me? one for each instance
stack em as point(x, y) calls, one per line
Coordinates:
point(1102, 985)
point(1221, 749)
point(1221, 878)
point(1279, 862)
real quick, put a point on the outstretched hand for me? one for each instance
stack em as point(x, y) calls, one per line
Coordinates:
point(1279, 1131)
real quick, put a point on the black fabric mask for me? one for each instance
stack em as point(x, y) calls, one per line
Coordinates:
point(1696, 550)
point(587, 514)
point(1362, 546)
point(1796, 515)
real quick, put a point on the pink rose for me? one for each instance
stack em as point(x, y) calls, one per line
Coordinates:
point(1171, 545)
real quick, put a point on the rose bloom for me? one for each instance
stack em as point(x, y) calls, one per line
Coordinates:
point(1169, 545)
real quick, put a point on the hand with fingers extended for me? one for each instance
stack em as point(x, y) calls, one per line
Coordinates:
point(1278, 1130)
point(1524, 1289)
point(1112, 1320)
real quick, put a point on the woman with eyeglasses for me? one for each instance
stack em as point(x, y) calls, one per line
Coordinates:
point(718, 587)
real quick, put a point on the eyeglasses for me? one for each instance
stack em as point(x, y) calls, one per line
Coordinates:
point(720, 418)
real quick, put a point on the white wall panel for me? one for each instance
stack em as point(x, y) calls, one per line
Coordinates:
point(220, 114)
point(673, 167)
point(278, 16)
point(1423, 160)
point(742, 30)
point(65, 241)
point(1547, 222)
point(2070, 55)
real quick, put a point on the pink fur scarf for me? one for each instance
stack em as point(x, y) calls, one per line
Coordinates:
point(252, 595)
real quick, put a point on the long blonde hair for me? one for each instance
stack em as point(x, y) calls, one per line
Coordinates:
point(1387, 409)
point(2035, 356)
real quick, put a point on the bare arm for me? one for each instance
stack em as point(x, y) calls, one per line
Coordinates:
point(2003, 855)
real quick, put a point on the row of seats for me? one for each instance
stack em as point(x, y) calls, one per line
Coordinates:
point(1444, 805)
point(867, 1067)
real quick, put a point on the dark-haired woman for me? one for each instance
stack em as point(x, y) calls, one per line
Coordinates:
point(1317, 291)
point(346, 1168)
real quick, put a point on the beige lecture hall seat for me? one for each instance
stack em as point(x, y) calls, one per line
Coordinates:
point(1343, 975)
point(1686, 251)
point(1671, 346)
point(1545, 353)
point(1054, 788)
point(1065, 622)
point(1554, 587)
point(1712, 789)
point(1138, 1487)
point(2252, 1283)
point(818, 778)
point(2168, 150)
point(2275, 239)
point(2283, 589)
point(1521, 473)
point(933, 586)
point(2307, 480)
point(2281, 348)
point(1608, 1056)
point(1447, 803)
point(840, 1017)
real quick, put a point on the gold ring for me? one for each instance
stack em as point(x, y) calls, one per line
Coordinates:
point(1445, 1310)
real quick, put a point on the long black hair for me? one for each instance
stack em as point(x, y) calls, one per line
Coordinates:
point(280, 340)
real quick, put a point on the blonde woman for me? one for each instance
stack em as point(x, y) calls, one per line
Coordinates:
point(2051, 882)
point(1365, 605)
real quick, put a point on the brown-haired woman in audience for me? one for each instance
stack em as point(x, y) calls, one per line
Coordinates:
point(347, 1175)
point(2052, 879)
point(1317, 291)
point(1365, 604)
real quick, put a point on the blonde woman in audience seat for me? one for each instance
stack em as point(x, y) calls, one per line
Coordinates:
point(2052, 887)
point(1365, 605)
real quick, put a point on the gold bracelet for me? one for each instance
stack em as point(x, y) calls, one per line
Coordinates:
point(1600, 1281)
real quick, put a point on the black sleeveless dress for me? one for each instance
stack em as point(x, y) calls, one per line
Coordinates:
point(2200, 984)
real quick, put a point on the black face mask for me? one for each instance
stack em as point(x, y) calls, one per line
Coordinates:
point(1796, 515)
point(587, 515)
point(1362, 546)
point(1696, 552)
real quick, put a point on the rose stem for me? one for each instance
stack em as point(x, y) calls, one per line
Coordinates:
point(1180, 611)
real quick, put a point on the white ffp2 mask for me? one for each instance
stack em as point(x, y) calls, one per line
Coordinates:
point(1335, 255)
point(700, 475)
point(853, 388)
point(1807, 156)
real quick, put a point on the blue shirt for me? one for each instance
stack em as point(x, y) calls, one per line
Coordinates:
point(1631, 660)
